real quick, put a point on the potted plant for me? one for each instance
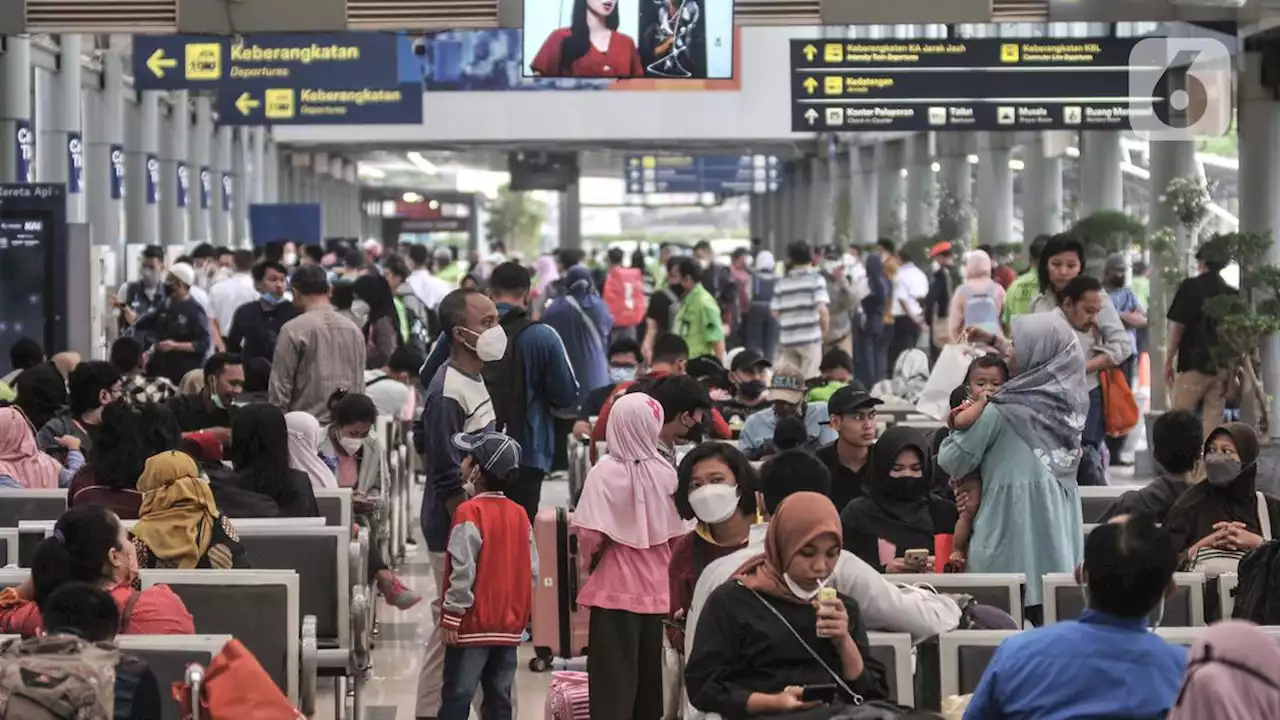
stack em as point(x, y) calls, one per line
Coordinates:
point(1244, 319)
point(1107, 232)
point(955, 217)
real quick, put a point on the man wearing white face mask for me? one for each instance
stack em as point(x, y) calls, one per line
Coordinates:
point(457, 402)
point(317, 352)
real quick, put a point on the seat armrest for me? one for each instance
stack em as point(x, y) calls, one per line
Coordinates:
point(194, 677)
point(360, 622)
point(308, 667)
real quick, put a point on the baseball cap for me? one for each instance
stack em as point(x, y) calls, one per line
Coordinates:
point(496, 453)
point(787, 385)
point(745, 359)
point(939, 248)
point(851, 398)
point(183, 272)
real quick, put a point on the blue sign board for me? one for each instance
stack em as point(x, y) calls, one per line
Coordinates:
point(309, 106)
point(117, 172)
point(206, 187)
point(226, 192)
point(184, 184)
point(153, 180)
point(25, 151)
point(75, 163)
point(719, 174)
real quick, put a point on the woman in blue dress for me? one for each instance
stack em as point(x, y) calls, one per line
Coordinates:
point(1025, 444)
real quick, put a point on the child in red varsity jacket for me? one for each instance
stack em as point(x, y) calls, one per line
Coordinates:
point(488, 588)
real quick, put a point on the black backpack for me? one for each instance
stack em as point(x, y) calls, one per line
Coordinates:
point(505, 378)
point(1257, 595)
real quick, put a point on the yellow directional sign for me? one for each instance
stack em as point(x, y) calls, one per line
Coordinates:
point(158, 63)
point(810, 52)
point(810, 85)
point(833, 52)
point(280, 104)
point(832, 85)
point(204, 61)
point(1009, 52)
point(246, 104)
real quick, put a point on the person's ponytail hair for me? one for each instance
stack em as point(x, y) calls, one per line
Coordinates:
point(1077, 287)
point(77, 551)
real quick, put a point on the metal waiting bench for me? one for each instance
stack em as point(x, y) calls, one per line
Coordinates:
point(335, 506)
point(1094, 501)
point(327, 561)
point(220, 600)
point(1064, 601)
point(1002, 590)
point(19, 505)
point(963, 656)
point(168, 656)
point(9, 546)
point(893, 650)
point(1227, 583)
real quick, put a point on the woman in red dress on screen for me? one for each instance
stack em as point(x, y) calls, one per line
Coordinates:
point(591, 47)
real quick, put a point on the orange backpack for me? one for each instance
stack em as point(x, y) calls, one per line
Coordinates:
point(624, 294)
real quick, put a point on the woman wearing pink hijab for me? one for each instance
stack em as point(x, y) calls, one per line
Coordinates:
point(22, 465)
point(1233, 673)
point(626, 521)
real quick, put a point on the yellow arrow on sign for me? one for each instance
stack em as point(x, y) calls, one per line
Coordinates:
point(158, 63)
point(810, 85)
point(245, 103)
point(809, 51)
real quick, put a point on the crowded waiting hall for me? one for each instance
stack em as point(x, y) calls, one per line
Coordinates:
point(668, 520)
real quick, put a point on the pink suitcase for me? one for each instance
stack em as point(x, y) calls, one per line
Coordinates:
point(568, 697)
point(560, 625)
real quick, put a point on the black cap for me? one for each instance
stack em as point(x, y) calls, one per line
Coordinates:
point(748, 359)
point(851, 398)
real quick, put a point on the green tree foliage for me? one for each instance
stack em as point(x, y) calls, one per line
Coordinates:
point(515, 219)
point(1107, 232)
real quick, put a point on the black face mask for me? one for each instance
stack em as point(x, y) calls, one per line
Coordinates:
point(752, 389)
point(694, 435)
point(906, 487)
point(677, 289)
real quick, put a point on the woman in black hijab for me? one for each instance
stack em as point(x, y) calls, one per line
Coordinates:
point(896, 512)
point(263, 485)
point(1221, 513)
point(42, 393)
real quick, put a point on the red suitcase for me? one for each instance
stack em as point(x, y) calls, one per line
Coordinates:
point(560, 625)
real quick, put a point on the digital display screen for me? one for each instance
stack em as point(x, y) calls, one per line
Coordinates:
point(658, 39)
point(25, 284)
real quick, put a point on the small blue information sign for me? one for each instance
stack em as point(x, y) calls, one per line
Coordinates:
point(719, 174)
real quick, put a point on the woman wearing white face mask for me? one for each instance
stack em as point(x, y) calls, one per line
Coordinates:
point(1221, 518)
point(717, 486)
point(361, 465)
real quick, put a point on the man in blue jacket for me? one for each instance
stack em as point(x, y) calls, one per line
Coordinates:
point(532, 379)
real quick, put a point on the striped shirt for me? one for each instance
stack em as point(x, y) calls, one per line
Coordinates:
point(796, 298)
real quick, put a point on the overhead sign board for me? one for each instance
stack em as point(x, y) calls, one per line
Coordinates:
point(303, 79)
point(719, 174)
point(985, 84)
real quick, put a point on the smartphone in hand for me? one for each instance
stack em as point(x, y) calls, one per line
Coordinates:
point(823, 693)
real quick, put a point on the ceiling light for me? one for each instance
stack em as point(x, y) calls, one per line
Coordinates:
point(411, 197)
point(973, 159)
point(370, 171)
point(434, 204)
point(936, 166)
point(1016, 164)
point(421, 162)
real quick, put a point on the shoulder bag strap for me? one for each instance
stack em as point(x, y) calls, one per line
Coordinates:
point(591, 325)
point(1264, 516)
point(127, 614)
point(857, 699)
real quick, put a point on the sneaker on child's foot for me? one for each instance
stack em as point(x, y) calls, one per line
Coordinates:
point(397, 594)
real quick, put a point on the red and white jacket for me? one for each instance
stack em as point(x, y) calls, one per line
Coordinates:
point(489, 572)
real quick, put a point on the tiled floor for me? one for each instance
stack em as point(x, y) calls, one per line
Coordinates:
point(391, 692)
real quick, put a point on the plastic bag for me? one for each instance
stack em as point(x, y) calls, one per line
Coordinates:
point(947, 374)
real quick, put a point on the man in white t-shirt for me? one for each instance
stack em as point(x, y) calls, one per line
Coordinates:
point(910, 288)
point(229, 294)
point(427, 287)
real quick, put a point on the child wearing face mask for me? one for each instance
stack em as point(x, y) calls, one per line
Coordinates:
point(490, 570)
point(985, 376)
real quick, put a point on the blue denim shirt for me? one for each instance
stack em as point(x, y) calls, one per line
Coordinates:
point(757, 432)
point(548, 380)
point(1099, 666)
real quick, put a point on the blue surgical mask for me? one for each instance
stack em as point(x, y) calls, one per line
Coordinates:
point(270, 299)
point(621, 374)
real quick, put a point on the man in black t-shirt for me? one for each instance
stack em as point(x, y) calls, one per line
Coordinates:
point(179, 326)
point(853, 416)
point(661, 313)
point(1192, 337)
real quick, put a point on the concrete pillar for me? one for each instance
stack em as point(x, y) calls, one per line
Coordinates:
point(1169, 160)
point(175, 173)
point(922, 216)
point(822, 169)
point(143, 169)
point(15, 111)
point(257, 166)
point(955, 181)
point(240, 165)
point(755, 216)
point(271, 172)
point(570, 217)
point(786, 210)
point(864, 190)
point(59, 136)
point(201, 196)
point(105, 159)
point(223, 187)
point(1041, 190)
point(995, 189)
point(1101, 180)
point(890, 161)
point(1259, 119)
